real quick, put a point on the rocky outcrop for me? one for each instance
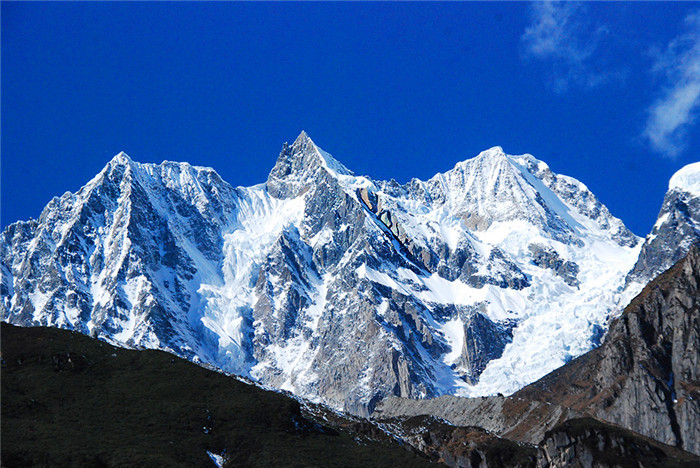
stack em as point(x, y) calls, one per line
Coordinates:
point(578, 442)
point(590, 443)
point(547, 257)
point(484, 341)
point(516, 419)
point(464, 447)
point(677, 228)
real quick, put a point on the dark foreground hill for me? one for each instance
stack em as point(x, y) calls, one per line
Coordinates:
point(70, 400)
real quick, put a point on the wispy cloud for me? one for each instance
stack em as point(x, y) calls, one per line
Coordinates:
point(673, 114)
point(561, 34)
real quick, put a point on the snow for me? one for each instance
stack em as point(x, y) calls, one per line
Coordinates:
point(555, 320)
point(217, 459)
point(559, 320)
point(660, 222)
point(229, 299)
point(687, 179)
point(334, 167)
point(454, 333)
point(295, 357)
point(39, 300)
point(127, 323)
point(383, 308)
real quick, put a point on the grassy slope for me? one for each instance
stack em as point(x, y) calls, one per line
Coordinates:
point(68, 399)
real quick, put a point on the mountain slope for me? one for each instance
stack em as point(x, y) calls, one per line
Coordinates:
point(68, 400)
point(333, 286)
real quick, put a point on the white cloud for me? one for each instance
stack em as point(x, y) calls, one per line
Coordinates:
point(675, 111)
point(560, 34)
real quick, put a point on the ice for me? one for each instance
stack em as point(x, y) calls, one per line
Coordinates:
point(39, 300)
point(228, 300)
point(555, 320)
point(662, 219)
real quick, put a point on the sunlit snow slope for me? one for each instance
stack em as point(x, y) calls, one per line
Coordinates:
point(336, 287)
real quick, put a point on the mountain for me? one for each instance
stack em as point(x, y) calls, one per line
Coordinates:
point(676, 229)
point(643, 378)
point(69, 400)
point(336, 287)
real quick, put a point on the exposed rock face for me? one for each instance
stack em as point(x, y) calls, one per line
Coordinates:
point(122, 257)
point(579, 442)
point(590, 443)
point(333, 286)
point(512, 418)
point(546, 257)
point(677, 228)
point(646, 375)
point(464, 447)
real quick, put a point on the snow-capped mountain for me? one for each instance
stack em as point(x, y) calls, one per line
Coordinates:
point(336, 287)
point(677, 227)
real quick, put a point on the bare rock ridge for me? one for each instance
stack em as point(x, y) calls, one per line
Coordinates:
point(643, 378)
point(590, 442)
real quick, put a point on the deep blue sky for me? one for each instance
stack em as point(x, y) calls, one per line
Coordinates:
point(604, 92)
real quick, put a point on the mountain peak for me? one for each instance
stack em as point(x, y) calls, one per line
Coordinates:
point(492, 157)
point(121, 159)
point(305, 148)
point(493, 152)
point(676, 229)
point(687, 179)
point(276, 281)
point(297, 164)
point(303, 138)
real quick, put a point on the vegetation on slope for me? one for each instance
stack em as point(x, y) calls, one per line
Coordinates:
point(70, 400)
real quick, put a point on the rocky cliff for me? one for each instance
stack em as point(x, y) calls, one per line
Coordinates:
point(677, 227)
point(587, 442)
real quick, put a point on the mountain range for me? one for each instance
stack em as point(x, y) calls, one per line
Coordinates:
point(338, 288)
point(71, 400)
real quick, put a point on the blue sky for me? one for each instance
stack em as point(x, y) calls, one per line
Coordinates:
point(605, 92)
